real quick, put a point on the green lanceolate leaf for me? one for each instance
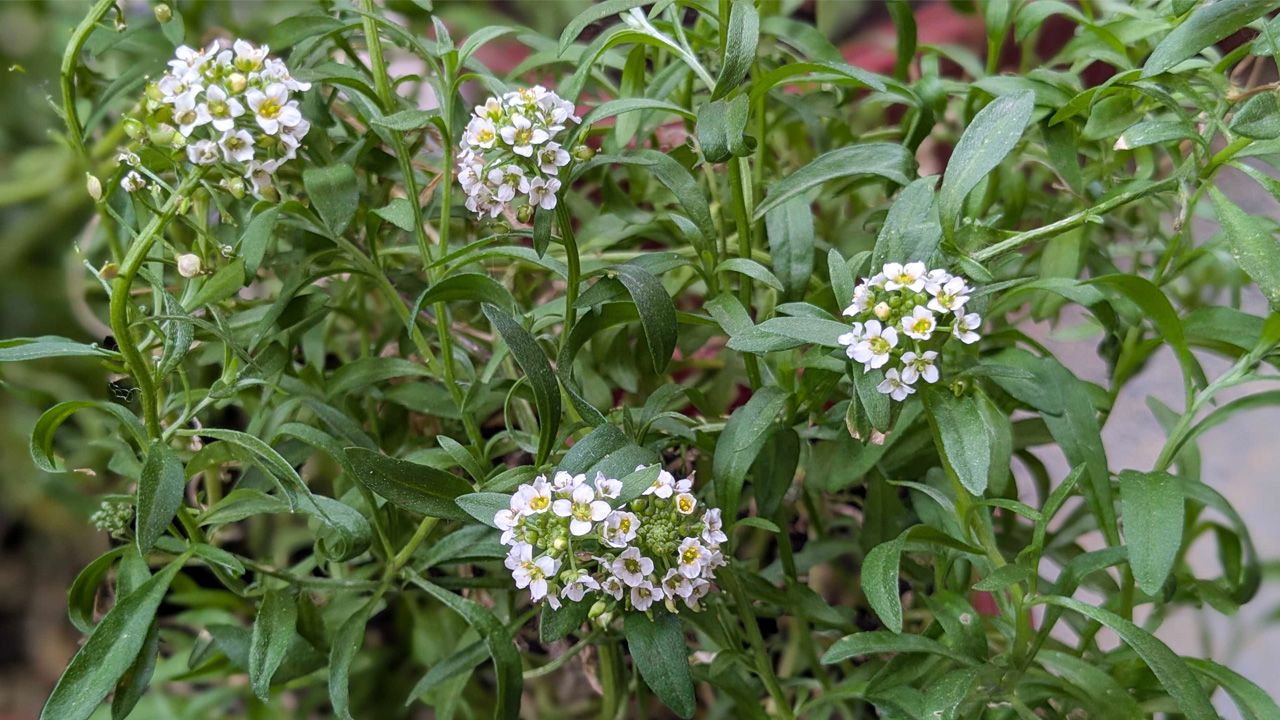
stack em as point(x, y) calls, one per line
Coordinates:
point(1252, 701)
point(658, 648)
point(110, 650)
point(1210, 23)
point(911, 230)
point(743, 436)
point(789, 227)
point(49, 346)
point(1258, 117)
point(961, 435)
point(506, 659)
point(742, 36)
point(412, 486)
point(884, 160)
point(483, 506)
point(273, 629)
point(1151, 512)
point(721, 129)
point(1169, 669)
point(537, 370)
point(989, 138)
point(160, 491)
point(346, 643)
point(334, 194)
point(467, 286)
point(1255, 248)
point(880, 581)
point(657, 312)
point(878, 641)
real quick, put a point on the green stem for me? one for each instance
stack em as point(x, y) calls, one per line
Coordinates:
point(742, 218)
point(138, 366)
point(764, 666)
point(575, 269)
point(1071, 221)
point(610, 664)
point(67, 75)
point(387, 98)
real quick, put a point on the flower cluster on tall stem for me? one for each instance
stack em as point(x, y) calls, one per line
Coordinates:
point(571, 539)
point(902, 317)
point(229, 107)
point(511, 151)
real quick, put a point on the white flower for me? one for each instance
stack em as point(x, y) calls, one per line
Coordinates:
point(964, 328)
point(552, 157)
point(951, 296)
point(935, 280)
point(583, 509)
point(607, 488)
point(919, 366)
point(852, 338)
point(578, 586)
point(893, 386)
point(222, 108)
point(675, 584)
point(713, 527)
point(519, 553)
point(861, 300)
point(533, 574)
point(188, 265)
point(203, 152)
point(188, 59)
point(260, 175)
point(480, 133)
point(685, 503)
point(909, 276)
point(873, 348)
point(133, 181)
point(521, 135)
point(920, 324)
point(248, 57)
point(619, 528)
point(691, 557)
point(698, 590)
point(644, 595)
point(507, 520)
point(663, 487)
point(126, 157)
point(631, 567)
point(274, 71)
point(507, 179)
point(542, 192)
point(533, 499)
point(564, 482)
point(612, 587)
point(189, 114)
point(490, 110)
point(272, 108)
point(237, 146)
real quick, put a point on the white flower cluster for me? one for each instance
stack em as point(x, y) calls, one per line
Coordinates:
point(225, 106)
point(570, 539)
point(509, 148)
point(904, 314)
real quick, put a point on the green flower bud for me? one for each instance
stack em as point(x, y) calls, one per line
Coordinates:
point(162, 134)
point(583, 153)
point(134, 128)
point(525, 213)
point(236, 83)
point(94, 186)
point(163, 13)
point(597, 609)
point(895, 302)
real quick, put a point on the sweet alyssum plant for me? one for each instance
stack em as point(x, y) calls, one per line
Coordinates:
point(403, 390)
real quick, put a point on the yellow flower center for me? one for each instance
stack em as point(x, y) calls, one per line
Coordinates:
point(922, 325)
point(524, 136)
point(879, 345)
point(686, 504)
point(269, 109)
point(540, 502)
point(690, 555)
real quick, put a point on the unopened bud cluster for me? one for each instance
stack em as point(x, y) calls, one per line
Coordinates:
point(226, 107)
point(510, 152)
point(571, 539)
point(903, 315)
point(114, 517)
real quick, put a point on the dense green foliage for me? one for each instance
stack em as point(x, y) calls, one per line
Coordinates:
point(324, 408)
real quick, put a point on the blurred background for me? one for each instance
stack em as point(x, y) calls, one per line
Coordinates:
point(45, 535)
